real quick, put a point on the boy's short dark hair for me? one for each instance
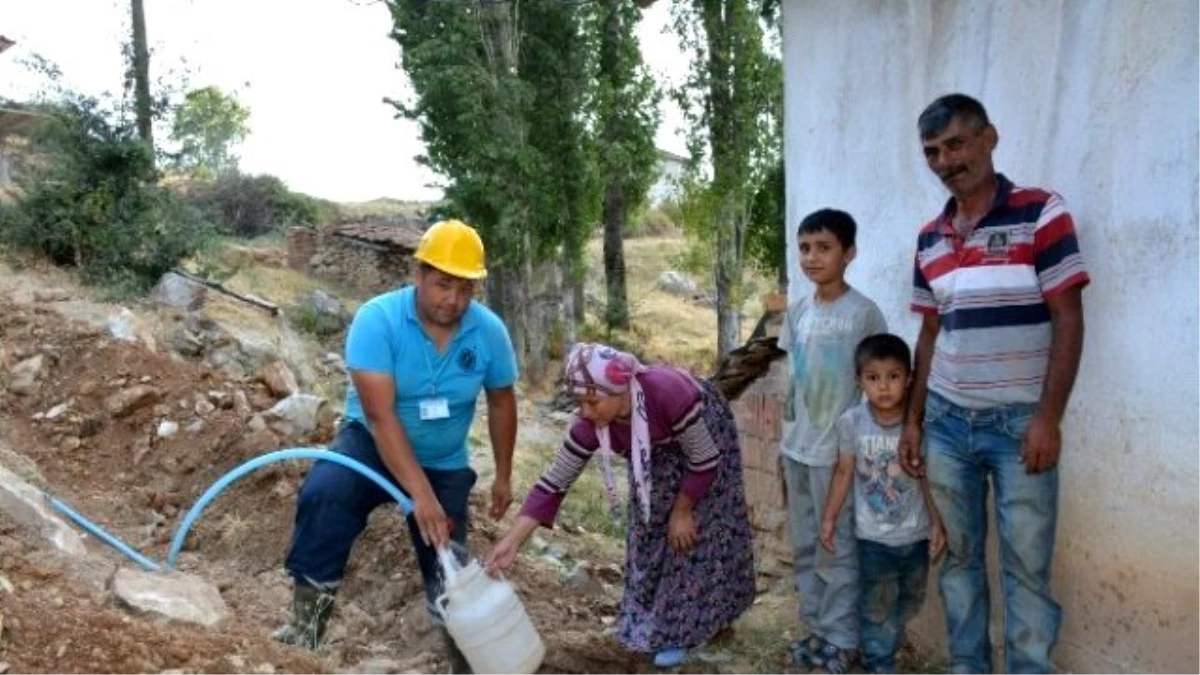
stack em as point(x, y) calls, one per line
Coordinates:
point(832, 220)
point(939, 114)
point(881, 347)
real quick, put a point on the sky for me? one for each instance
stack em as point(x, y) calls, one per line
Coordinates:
point(313, 73)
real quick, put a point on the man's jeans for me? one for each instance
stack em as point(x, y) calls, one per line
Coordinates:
point(334, 504)
point(963, 447)
point(827, 583)
point(893, 581)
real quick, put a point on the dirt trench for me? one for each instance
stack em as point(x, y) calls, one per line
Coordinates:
point(68, 432)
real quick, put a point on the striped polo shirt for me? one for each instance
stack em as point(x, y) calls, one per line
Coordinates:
point(989, 292)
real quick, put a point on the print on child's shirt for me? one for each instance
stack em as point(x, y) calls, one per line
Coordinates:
point(883, 481)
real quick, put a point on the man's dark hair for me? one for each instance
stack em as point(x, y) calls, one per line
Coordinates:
point(837, 222)
point(882, 347)
point(939, 114)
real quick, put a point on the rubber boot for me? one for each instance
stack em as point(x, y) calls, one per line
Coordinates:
point(311, 609)
point(458, 662)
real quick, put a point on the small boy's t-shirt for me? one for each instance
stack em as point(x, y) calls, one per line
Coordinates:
point(889, 507)
point(821, 338)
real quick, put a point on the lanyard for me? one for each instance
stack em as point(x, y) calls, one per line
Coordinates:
point(435, 375)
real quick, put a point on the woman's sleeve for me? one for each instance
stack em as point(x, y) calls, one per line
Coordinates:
point(544, 500)
point(680, 400)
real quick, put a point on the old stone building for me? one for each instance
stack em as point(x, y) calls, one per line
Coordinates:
point(370, 257)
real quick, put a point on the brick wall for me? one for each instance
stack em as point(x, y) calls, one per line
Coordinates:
point(354, 263)
point(759, 413)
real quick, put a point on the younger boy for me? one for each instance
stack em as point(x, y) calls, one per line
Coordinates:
point(820, 333)
point(897, 525)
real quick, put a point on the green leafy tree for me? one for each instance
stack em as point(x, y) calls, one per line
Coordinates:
point(498, 98)
point(91, 202)
point(627, 114)
point(731, 99)
point(208, 125)
point(766, 235)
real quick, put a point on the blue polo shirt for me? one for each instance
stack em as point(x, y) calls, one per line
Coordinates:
point(386, 336)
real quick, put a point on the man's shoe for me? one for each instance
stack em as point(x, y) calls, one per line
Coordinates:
point(311, 609)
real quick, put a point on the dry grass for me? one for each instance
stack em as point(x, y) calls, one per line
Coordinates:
point(665, 327)
point(383, 207)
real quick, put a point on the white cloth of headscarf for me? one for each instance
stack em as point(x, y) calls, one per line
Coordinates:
point(598, 369)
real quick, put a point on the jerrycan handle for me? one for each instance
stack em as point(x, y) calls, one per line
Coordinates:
point(439, 608)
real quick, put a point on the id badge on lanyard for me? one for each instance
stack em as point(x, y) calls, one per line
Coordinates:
point(434, 408)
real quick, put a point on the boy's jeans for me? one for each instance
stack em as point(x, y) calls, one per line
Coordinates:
point(334, 504)
point(893, 580)
point(962, 448)
point(826, 582)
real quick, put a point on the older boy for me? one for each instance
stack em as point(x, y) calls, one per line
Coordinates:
point(820, 334)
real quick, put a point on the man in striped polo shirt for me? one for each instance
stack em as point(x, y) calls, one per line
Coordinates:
point(998, 279)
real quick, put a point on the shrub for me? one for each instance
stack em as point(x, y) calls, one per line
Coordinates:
point(90, 201)
point(657, 223)
point(648, 222)
point(250, 206)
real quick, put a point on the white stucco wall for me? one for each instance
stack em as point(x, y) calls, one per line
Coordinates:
point(1097, 101)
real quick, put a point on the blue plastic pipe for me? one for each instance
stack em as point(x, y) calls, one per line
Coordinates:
point(217, 488)
point(270, 458)
point(107, 538)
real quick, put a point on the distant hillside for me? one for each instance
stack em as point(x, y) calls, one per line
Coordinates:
point(383, 208)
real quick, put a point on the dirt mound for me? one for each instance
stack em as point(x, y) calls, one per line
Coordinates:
point(131, 438)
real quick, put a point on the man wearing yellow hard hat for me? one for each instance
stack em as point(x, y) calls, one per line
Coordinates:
point(418, 358)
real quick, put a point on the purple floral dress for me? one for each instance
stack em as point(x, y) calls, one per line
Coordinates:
point(673, 600)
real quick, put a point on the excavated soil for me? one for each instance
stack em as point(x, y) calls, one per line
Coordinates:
point(105, 459)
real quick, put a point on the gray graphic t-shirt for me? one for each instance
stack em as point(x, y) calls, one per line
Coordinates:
point(821, 339)
point(889, 507)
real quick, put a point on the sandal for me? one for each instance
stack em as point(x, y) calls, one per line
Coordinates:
point(804, 653)
point(834, 659)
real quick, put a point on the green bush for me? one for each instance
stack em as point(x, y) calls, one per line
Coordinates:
point(648, 222)
point(251, 206)
point(90, 201)
point(673, 211)
point(657, 223)
point(307, 319)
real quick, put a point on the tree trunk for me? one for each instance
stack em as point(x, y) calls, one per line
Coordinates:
point(616, 313)
point(728, 276)
point(504, 299)
point(141, 75)
point(572, 304)
point(536, 283)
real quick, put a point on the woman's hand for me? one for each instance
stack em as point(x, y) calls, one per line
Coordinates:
point(681, 530)
point(502, 556)
point(504, 553)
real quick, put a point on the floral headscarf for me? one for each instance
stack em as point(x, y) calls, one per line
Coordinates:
point(599, 369)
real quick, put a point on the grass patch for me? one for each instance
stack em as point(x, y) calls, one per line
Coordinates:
point(586, 506)
point(664, 327)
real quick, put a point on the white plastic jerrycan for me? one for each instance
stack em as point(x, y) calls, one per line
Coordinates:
point(487, 620)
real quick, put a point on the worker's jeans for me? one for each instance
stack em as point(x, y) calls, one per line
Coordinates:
point(334, 504)
point(963, 448)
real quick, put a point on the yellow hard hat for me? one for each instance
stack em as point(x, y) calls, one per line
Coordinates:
point(453, 247)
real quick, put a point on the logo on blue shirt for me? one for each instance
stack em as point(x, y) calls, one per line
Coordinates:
point(466, 359)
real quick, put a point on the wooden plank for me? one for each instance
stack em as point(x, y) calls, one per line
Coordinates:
point(249, 299)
